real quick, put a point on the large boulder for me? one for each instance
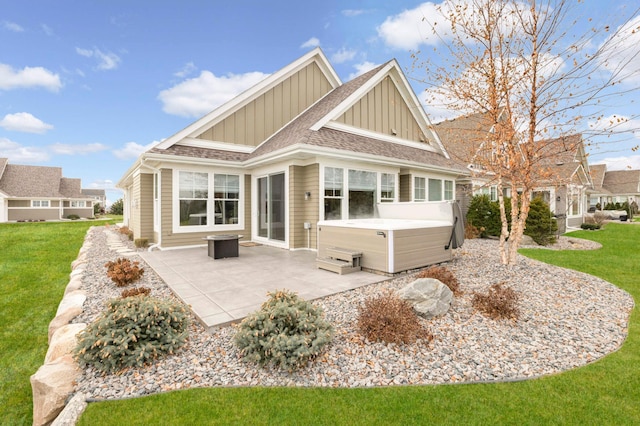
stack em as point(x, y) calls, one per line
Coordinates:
point(63, 341)
point(51, 386)
point(429, 297)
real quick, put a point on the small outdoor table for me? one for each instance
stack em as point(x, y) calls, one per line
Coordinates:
point(221, 246)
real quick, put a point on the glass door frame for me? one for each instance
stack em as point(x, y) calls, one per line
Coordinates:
point(257, 216)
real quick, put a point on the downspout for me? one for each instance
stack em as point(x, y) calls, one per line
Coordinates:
point(155, 170)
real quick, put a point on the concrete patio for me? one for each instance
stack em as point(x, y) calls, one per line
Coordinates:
point(222, 291)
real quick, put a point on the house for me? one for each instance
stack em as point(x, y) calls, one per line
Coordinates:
point(297, 148)
point(35, 193)
point(615, 186)
point(562, 171)
point(98, 196)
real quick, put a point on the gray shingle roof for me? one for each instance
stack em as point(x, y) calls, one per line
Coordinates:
point(622, 181)
point(37, 182)
point(597, 175)
point(299, 133)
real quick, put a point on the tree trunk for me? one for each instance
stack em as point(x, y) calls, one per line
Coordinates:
point(504, 231)
point(520, 211)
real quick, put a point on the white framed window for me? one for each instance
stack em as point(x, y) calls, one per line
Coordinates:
point(448, 190)
point(362, 193)
point(435, 189)
point(226, 190)
point(77, 204)
point(40, 203)
point(207, 201)
point(419, 188)
point(193, 193)
point(333, 192)
point(387, 187)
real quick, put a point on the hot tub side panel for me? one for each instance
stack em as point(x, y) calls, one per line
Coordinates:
point(374, 247)
point(415, 248)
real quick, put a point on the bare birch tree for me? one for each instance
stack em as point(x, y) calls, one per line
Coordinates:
point(519, 64)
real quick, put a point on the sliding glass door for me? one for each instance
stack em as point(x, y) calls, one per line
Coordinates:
point(271, 212)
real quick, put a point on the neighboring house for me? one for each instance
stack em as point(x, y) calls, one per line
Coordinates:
point(564, 179)
point(34, 193)
point(463, 138)
point(297, 148)
point(615, 186)
point(98, 196)
point(562, 175)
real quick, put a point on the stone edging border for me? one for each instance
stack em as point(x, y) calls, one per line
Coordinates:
point(54, 382)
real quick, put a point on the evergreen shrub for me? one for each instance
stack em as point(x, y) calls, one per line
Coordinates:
point(541, 225)
point(132, 332)
point(136, 291)
point(286, 331)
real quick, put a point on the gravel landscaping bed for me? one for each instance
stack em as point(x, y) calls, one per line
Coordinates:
point(567, 319)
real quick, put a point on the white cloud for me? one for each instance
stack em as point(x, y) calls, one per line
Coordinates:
point(312, 42)
point(132, 150)
point(188, 68)
point(24, 122)
point(28, 77)
point(106, 61)
point(12, 26)
point(616, 124)
point(197, 96)
point(361, 68)
point(353, 12)
point(622, 163)
point(81, 149)
point(343, 55)
point(621, 55)
point(408, 29)
point(17, 153)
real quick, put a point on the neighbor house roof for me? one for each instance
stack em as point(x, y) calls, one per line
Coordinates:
point(463, 136)
point(94, 192)
point(620, 182)
point(597, 177)
point(23, 181)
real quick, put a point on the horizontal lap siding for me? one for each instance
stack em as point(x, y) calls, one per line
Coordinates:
point(81, 212)
point(146, 207)
point(33, 214)
point(405, 188)
point(414, 248)
point(303, 179)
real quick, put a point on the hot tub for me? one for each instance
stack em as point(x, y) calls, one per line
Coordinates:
point(392, 245)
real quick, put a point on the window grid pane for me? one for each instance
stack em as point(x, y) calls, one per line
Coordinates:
point(419, 189)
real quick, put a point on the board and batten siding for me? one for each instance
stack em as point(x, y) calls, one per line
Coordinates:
point(169, 239)
point(382, 110)
point(303, 179)
point(255, 122)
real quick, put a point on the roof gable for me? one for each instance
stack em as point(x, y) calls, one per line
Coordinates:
point(384, 104)
point(271, 104)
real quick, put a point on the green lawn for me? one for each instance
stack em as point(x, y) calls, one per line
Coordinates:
point(35, 262)
point(605, 392)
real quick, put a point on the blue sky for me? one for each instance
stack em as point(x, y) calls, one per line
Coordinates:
point(88, 85)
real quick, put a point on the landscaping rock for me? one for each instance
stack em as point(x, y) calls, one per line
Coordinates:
point(429, 297)
point(51, 385)
point(75, 298)
point(72, 411)
point(63, 319)
point(74, 284)
point(63, 341)
point(527, 241)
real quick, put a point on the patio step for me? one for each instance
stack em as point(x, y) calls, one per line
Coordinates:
point(335, 265)
point(346, 255)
